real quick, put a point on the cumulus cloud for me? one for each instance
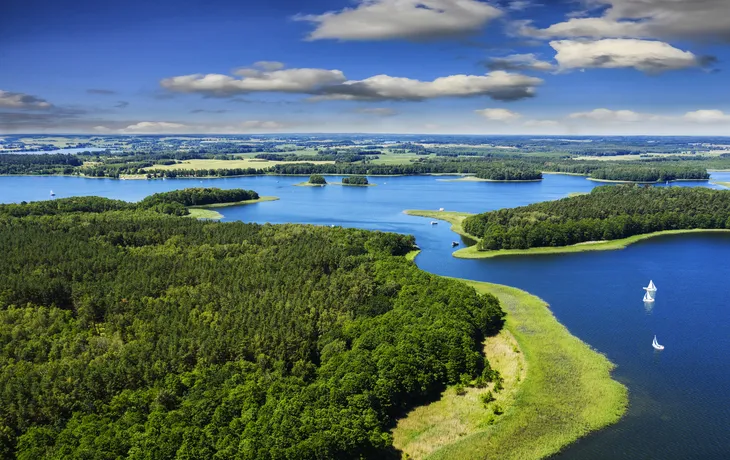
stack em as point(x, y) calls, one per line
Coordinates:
point(503, 115)
point(644, 55)
point(9, 100)
point(663, 19)
point(519, 62)
point(541, 123)
point(378, 111)
point(165, 127)
point(402, 19)
point(707, 116)
point(499, 85)
point(260, 78)
point(325, 84)
point(606, 115)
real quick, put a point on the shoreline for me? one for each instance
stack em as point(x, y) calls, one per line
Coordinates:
point(206, 211)
point(471, 252)
point(562, 391)
point(611, 181)
point(479, 179)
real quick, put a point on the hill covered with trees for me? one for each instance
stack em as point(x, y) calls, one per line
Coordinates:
point(607, 213)
point(127, 333)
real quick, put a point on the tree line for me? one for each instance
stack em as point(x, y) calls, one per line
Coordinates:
point(607, 213)
point(126, 333)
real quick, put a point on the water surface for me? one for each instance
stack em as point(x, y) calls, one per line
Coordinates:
point(679, 407)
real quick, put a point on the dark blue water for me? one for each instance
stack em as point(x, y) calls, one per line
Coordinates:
point(679, 407)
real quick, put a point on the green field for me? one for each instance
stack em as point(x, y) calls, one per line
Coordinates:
point(724, 184)
point(455, 218)
point(227, 164)
point(557, 389)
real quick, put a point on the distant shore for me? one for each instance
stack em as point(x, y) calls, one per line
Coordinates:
point(610, 181)
point(479, 179)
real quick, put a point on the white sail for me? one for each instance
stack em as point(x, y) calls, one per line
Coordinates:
point(651, 287)
point(648, 297)
point(52, 194)
point(656, 345)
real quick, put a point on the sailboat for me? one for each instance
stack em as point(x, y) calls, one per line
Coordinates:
point(648, 297)
point(52, 194)
point(656, 345)
point(651, 287)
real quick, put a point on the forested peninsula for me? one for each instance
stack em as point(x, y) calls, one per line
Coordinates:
point(606, 214)
point(128, 332)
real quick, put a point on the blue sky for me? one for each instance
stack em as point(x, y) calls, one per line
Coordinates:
point(410, 66)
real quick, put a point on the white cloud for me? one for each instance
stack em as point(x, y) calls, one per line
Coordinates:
point(663, 19)
point(255, 80)
point(154, 127)
point(22, 101)
point(541, 123)
point(707, 116)
point(269, 66)
point(498, 85)
point(606, 115)
point(402, 19)
point(503, 115)
point(644, 55)
point(520, 62)
point(379, 111)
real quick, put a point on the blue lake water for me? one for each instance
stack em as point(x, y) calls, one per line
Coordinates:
point(679, 408)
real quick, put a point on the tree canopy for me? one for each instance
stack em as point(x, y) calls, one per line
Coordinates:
point(127, 333)
point(607, 213)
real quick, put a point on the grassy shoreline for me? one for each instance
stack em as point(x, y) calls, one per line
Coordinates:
point(455, 218)
point(207, 212)
point(471, 252)
point(479, 179)
point(724, 184)
point(566, 393)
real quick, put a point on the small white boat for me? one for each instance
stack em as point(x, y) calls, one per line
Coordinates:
point(651, 287)
point(656, 345)
point(52, 194)
point(441, 209)
point(648, 297)
point(433, 222)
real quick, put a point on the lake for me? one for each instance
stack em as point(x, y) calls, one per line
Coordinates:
point(678, 403)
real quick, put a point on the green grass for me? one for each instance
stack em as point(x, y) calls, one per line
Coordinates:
point(200, 213)
point(206, 211)
point(307, 184)
point(261, 199)
point(567, 391)
point(455, 218)
point(724, 184)
point(227, 164)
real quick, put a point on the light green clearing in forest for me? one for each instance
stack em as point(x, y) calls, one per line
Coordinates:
point(556, 390)
point(205, 211)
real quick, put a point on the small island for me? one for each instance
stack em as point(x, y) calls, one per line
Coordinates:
point(315, 180)
point(356, 181)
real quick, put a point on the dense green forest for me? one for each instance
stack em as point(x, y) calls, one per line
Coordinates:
point(507, 172)
point(650, 174)
point(355, 180)
point(126, 333)
point(607, 213)
point(317, 179)
point(174, 203)
point(11, 163)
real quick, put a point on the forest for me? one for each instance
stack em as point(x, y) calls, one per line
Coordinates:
point(128, 333)
point(355, 180)
point(174, 203)
point(607, 213)
point(650, 174)
point(508, 172)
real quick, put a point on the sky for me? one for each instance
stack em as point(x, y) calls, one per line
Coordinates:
point(579, 67)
